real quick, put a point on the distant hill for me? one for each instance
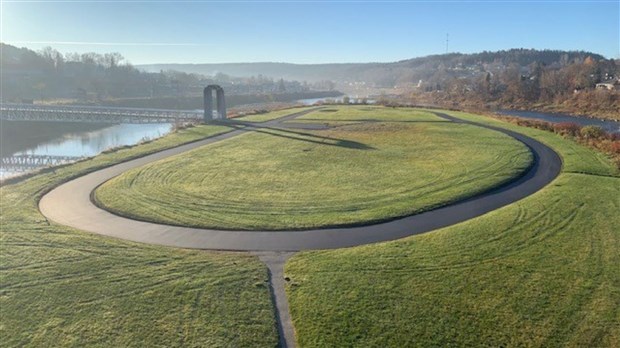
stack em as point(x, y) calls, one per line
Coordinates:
point(29, 76)
point(288, 71)
point(385, 74)
point(516, 78)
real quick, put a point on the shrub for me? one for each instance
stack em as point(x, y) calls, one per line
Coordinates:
point(592, 136)
point(567, 128)
point(592, 132)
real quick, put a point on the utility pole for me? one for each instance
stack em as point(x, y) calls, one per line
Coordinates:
point(447, 41)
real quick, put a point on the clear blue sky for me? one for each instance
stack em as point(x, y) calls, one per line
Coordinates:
point(308, 31)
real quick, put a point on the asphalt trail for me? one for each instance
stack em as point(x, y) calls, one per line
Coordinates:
point(70, 204)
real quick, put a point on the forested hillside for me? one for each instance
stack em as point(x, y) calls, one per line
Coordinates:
point(386, 74)
point(553, 80)
point(49, 75)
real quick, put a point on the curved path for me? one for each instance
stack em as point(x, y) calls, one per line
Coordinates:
point(70, 204)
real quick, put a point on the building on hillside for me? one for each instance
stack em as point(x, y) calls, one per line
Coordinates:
point(612, 85)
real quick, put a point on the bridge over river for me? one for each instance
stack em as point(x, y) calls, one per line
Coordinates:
point(95, 114)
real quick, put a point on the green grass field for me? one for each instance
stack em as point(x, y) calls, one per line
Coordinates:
point(272, 115)
point(283, 179)
point(338, 115)
point(369, 113)
point(61, 287)
point(541, 272)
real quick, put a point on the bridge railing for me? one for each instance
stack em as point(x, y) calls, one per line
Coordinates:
point(27, 162)
point(30, 112)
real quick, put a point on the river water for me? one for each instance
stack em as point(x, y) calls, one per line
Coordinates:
point(608, 125)
point(56, 143)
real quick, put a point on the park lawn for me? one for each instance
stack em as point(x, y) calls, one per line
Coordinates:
point(282, 179)
point(369, 113)
point(541, 272)
point(576, 158)
point(62, 287)
point(269, 116)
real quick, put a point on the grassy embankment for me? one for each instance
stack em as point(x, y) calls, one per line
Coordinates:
point(62, 287)
point(269, 116)
point(283, 179)
point(540, 272)
point(336, 114)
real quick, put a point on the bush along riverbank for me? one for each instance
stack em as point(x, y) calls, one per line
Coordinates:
point(592, 136)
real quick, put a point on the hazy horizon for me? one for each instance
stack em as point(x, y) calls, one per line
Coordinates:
point(59, 48)
point(359, 62)
point(206, 32)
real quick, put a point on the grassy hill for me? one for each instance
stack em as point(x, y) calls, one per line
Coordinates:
point(382, 74)
point(403, 162)
point(542, 272)
point(67, 288)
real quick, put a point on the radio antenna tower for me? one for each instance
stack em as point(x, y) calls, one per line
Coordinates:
point(447, 41)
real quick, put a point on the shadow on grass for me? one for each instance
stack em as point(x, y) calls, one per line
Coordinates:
point(374, 120)
point(296, 135)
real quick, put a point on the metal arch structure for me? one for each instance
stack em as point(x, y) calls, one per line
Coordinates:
point(208, 102)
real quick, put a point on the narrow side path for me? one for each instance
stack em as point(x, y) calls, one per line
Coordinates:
point(275, 263)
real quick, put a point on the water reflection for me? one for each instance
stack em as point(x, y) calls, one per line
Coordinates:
point(75, 144)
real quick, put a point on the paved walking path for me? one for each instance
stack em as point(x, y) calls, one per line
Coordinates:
point(275, 263)
point(70, 204)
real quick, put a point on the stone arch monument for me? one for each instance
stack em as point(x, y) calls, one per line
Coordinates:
point(208, 102)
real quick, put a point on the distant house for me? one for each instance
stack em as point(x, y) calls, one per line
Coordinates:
point(612, 85)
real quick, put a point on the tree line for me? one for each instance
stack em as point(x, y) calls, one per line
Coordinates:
point(92, 77)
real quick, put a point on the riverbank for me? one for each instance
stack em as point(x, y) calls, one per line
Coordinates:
point(571, 110)
point(592, 104)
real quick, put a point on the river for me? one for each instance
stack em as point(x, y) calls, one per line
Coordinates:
point(608, 125)
point(56, 142)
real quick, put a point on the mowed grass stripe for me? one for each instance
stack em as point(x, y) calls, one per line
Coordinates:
point(576, 158)
point(369, 113)
point(269, 116)
point(541, 272)
point(281, 179)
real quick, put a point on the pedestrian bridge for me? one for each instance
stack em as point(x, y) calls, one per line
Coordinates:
point(94, 114)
